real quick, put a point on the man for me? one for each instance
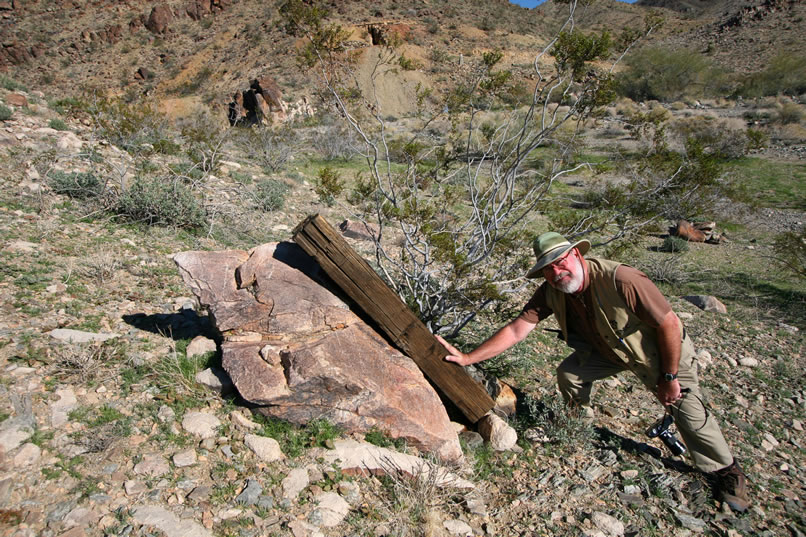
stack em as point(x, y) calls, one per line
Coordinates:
point(616, 319)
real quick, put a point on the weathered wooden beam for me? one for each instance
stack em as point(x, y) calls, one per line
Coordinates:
point(363, 285)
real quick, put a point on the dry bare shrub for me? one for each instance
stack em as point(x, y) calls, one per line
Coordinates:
point(667, 269)
point(101, 266)
point(409, 502)
point(83, 360)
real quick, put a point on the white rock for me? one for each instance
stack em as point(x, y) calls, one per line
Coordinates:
point(609, 525)
point(797, 425)
point(81, 516)
point(185, 458)
point(267, 449)
point(353, 456)
point(497, 432)
point(685, 316)
point(14, 436)
point(458, 527)
point(201, 424)
point(294, 483)
point(23, 247)
point(69, 142)
point(27, 455)
point(332, 508)
point(169, 523)
point(242, 422)
point(748, 362)
point(200, 345)
point(78, 336)
point(60, 409)
point(153, 465)
point(216, 379)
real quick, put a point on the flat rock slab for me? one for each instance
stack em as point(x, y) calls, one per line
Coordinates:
point(361, 458)
point(293, 347)
point(77, 336)
point(169, 523)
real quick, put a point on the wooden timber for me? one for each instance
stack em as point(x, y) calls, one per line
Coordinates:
point(363, 285)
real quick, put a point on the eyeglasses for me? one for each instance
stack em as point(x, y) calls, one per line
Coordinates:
point(562, 261)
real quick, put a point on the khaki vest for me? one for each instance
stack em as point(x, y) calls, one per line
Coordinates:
point(633, 341)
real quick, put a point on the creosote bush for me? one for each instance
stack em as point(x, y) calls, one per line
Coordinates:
point(158, 201)
point(329, 185)
point(5, 113)
point(77, 185)
point(270, 195)
point(674, 244)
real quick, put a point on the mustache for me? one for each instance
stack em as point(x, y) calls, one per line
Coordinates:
point(561, 275)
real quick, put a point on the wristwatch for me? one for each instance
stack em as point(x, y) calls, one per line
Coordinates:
point(669, 377)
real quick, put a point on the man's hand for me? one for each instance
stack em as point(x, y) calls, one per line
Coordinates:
point(454, 354)
point(669, 392)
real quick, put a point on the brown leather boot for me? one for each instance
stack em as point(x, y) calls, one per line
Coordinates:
point(731, 487)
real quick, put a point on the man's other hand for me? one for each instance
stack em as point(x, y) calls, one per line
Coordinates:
point(669, 392)
point(454, 354)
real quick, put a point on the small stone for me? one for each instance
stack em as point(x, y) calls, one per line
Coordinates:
point(200, 493)
point(242, 422)
point(77, 336)
point(166, 414)
point(707, 303)
point(350, 491)
point(685, 316)
point(201, 424)
point(458, 527)
point(185, 458)
point(629, 474)
point(200, 345)
point(748, 362)
point(250, 493)
point(689, 522)
point(216, 379)
point(797, 425)
point(153, 465)
point(27, 455)
point(267, 449)
point(331, 509)
point(609, 525)
point(294, 483)
point(497, 432)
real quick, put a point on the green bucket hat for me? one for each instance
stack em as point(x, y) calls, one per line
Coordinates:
point(549, 247)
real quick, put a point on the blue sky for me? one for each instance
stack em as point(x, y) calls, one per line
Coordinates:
point(533, 3)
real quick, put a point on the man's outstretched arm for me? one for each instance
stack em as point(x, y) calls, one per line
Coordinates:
point(510, 334)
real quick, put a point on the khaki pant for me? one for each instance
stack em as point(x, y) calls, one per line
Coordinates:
point(697, 426)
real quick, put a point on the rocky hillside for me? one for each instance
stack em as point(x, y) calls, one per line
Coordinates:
point(198, 53)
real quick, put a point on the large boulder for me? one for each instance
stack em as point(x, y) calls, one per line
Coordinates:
point(295, 349)
point(159, 19)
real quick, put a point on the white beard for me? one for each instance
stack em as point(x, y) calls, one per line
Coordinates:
point(572, 285)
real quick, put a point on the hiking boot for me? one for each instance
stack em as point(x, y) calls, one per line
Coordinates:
point(731, 487)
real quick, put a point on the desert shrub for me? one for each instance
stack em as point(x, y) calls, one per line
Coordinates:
point(756, 139)
point(268, 147)
point(789, 113)
point(76, 185)
point(135, 127)
point(270, 195)
point(408, 64)
point(157, 201)
point(5, 113)
point(790, 248)
point(674, 244)
point(786, 74)
point(57, 124)
point(668, 75)
point(334, 142)
point(203, 141)
point(328, 185)
point(10, 84)
point(69, 105)
point(719, 137)
point(565, 429)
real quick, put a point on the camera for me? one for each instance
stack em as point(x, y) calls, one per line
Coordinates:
point(661, 430)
